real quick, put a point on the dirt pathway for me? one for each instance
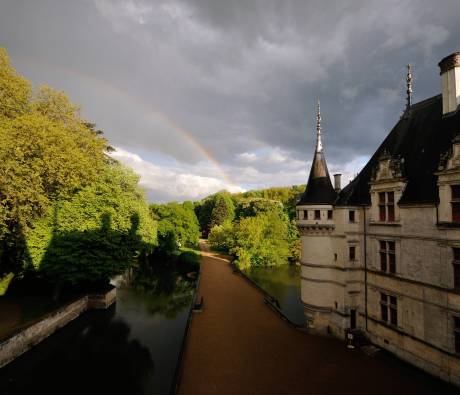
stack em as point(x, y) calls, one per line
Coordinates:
point(237, 345)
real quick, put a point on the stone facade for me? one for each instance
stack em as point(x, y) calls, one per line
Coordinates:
point(389, 267)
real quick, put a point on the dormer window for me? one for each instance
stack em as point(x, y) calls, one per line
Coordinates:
point(455, 202)
point(386, 206)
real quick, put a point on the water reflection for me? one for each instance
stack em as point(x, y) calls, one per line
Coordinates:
point(283, 283)
point(132, 348)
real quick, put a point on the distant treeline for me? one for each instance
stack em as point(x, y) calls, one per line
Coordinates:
point(257, 227)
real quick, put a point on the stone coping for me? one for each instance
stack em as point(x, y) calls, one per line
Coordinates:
point(27, 336)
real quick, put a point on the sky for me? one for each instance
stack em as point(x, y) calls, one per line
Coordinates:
point(203, 95)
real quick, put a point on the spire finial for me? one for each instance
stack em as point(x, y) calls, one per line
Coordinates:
point(319, 145)
point(409, 87)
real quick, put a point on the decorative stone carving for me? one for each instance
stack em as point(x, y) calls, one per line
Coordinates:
point(388, 167)
point(450, 159)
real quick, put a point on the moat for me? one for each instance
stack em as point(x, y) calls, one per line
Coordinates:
point(282, 283)
point(131, 348)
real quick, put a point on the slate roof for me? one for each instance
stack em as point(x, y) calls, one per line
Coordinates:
point(419, 139)
point(319, 188)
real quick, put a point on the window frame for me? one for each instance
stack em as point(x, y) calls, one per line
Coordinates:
point(389, 309)
point(387, 254)
point(352, 256)
point(386, 205)
point(352, 216)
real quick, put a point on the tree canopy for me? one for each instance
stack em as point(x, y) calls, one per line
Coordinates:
point(177, 226)
point(67, 209)
point(263, 231)
point(215, 210)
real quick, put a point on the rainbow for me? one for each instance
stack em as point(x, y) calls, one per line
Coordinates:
point(148, 109)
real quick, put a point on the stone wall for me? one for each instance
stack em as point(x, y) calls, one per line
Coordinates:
point(21, 342)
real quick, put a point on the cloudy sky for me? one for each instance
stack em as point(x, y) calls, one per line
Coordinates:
point(202, 95)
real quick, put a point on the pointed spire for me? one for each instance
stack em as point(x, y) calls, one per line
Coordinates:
point(409, 87)
point(319, 145)
point(319, 187)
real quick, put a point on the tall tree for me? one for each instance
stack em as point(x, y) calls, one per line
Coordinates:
point(15, 91)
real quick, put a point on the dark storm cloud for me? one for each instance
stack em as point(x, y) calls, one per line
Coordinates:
point(238, 76)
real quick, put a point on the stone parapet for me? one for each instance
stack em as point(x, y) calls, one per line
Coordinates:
point(22, 341)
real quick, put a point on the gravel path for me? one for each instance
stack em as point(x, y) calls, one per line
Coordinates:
point(237, 345)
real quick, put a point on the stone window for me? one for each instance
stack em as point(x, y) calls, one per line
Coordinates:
point(456, 264)
point(389, 309)
point(352, 253)
point(387, 256)
point(329, 214)
point(455, 202)
point(387, 206)
point(305, 214)
point(457, 334)
point(351, 216)
point(318, 214)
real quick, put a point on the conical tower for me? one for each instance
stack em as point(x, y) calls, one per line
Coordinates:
point(316, 224)
point(319, 187)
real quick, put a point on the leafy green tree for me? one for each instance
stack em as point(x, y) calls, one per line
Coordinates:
point(223, 209)
point(15, 91)
point(215, 210)
point(67, 209)
point(288, 196)
point(261, 241)
point(252, 206)
point(203, 211)
point(177, 226)
point(294, 241)
point(96, 234)
point(221, 237)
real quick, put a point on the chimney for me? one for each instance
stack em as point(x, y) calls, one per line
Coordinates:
point(450, 79)
point(337, 182)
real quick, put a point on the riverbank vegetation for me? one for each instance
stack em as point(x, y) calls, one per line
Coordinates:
point(69, 213)
point(257, 227)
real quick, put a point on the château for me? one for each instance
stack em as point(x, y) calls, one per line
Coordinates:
point(382, 255)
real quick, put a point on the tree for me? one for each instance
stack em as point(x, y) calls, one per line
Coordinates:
point(67, 210)
point(221, 237)
point(177, 226)
point(223, 209)
point(203, 211)
point(253, 206)
point(261, 241)
point(15, 91)
point(96, 234)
